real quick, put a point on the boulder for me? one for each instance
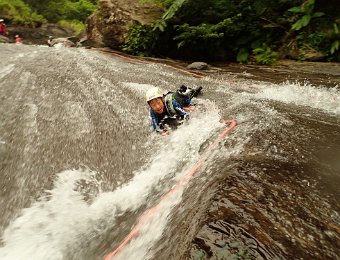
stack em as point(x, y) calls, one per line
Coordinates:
point(197, 66)
point(307, 53)
point(109, 25)
point(4, 39)
point(65, 42)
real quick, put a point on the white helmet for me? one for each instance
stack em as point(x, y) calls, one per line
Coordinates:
point(152, 94)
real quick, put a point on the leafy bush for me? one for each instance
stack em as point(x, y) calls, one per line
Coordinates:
point(335, 39)
point(141, 40)
point(305, 11)
point(79, 10)
point(196, 34)
point(56, 10)
point(20, 13)
point(68, 13)
point(265, 55)
point(172, 10)
point(76, 25)
point(235, 29)
point(242, 55)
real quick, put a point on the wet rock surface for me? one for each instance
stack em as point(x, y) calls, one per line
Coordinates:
point(270, 190)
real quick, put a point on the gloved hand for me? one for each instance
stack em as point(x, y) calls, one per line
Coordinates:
point(186, 117)
point(159, 129)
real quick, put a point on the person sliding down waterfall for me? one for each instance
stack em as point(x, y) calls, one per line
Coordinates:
point(170, 108)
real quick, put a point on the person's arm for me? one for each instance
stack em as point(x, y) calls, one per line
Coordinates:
point(154, 119)
point(155, 124)
point(179, 109)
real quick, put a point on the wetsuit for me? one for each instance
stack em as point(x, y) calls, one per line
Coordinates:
point(174, 103)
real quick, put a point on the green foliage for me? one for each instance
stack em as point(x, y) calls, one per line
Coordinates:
point(68, 13)
point(236, 29)
point(305, 10)
point(172, 10)
point(76, 25)
point(335, 46)
point(55, 10)
point(20, 13)
point(335, 38)
point(195, 34)
point(265, 55)
point(242, 55)
point(141, 40)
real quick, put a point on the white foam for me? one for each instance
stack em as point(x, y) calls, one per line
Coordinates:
point(51, 225)
point(326, 99)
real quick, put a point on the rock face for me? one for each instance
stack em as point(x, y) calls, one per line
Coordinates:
point(110, 24)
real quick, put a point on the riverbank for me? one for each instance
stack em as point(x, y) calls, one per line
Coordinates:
point(320, 73)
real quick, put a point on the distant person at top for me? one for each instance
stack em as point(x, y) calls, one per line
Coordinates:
point(3, 30)
point(49, 41)
point(18, 39)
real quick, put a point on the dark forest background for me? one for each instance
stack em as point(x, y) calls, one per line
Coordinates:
point(260, 31)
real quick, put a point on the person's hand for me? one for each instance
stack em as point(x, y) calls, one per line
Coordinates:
point(165, 133)
point(189, 108)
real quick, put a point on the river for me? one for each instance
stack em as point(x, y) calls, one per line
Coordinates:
point(79, 164)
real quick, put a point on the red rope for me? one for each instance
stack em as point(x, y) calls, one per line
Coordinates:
point(184, 180)
point(150, 62)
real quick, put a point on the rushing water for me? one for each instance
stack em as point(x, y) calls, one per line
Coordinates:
point(79, 164)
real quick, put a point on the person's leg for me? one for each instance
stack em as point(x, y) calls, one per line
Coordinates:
point(196, 91)
point(184, 95)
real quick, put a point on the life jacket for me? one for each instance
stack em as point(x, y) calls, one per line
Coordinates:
point(18, 40)
point(169, 107)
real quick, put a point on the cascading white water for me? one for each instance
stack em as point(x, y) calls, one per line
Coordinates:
point(58, 222)
point(326, 99)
